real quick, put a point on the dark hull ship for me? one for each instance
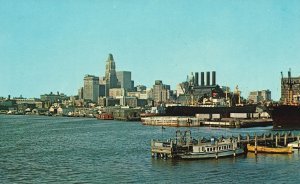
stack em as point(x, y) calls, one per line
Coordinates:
point(193, 110)
point(286, 117)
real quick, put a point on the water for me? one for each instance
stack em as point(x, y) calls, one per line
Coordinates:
point(36, 149)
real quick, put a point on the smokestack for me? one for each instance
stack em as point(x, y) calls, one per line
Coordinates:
point(196, 81)
point(207, 78)
point(202, 78)
point(213, 78)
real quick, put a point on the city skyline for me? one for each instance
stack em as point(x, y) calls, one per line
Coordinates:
point(51, 45)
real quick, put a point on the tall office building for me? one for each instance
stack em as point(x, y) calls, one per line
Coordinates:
point(110, 79)
point(80, 93)
point(124, 79)
point(91, 88)
point(161, 92)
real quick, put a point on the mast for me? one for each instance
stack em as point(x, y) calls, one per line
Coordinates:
point(290, 88)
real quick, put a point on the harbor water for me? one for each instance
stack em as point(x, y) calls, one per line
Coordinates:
point(38, 149)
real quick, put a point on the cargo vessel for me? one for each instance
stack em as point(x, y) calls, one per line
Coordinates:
point(286, 116)
point(224, 111)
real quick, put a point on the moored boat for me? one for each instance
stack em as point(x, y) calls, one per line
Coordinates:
point(225, 148)
point(265, 149)
point(185, 147)
point(295, 144)
point(224, 111)
point(286, 117)
point(105, 116)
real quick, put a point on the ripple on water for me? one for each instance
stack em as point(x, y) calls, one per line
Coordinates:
point(35, 149)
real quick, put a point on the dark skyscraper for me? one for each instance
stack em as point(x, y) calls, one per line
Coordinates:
point(124, 79)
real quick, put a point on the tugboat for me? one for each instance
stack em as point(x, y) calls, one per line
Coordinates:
point(286, 116)
point(105, 116)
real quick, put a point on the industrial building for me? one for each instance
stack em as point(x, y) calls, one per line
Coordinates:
point(191, 92)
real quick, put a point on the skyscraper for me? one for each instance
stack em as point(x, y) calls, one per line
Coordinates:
point(161, 92)
point(110, 79)
point(91, 88)
point(124, 79)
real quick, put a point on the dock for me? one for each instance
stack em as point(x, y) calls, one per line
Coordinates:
point(179, 121)
point(171, 148)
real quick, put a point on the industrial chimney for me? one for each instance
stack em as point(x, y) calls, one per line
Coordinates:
point(202, 78)
point(213, 78)
point(207, 78)
point(196, 79)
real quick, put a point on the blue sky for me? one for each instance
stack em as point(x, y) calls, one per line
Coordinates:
point(50, 45)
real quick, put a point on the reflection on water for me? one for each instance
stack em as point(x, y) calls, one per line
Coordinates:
point(35, 149)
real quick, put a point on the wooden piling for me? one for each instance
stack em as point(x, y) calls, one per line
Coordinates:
point(272, 136)
point(285, 139)
point(255, 144)
point(216, 150)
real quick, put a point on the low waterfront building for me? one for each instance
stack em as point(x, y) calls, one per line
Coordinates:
point(115, 92)
point(146, 94)
point(52, 98)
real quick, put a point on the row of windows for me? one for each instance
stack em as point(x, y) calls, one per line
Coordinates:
point(219, 148)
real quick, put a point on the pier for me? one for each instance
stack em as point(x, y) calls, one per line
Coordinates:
point(179, 121)
point(183, 142)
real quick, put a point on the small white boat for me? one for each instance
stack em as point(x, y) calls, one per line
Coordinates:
point(225, 148)
point(295, 144)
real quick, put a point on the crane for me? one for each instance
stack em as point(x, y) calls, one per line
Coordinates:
point(289, 83)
